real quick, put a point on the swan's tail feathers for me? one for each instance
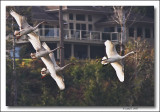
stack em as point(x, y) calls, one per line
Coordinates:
point(60, 82)
point(104, 61)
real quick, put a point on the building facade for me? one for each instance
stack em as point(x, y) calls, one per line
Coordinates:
point(85, 29)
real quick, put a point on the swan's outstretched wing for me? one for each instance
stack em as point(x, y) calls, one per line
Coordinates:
point(35, 41)
point(59, 80)
point(110, 49)
point(118, 66)
point(51, 55)
point(21, 21)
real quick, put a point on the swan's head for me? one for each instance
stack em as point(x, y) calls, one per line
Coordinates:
point(107, 42)
point(103, 61)
point(33, 55)
point(17, 34)
point(43, 72)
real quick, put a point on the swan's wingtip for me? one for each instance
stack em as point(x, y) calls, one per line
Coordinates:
point(121, 80)
point(62, 88)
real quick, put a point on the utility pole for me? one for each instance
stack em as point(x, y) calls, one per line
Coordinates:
point(14, 83)
point(61, 36)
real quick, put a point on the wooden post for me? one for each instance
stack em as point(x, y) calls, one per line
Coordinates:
point(14, 83)
point(61, 36)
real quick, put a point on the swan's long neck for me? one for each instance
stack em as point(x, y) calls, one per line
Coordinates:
point(38, 25)
point(127, 54)
point(65, 66)
point(54, 49)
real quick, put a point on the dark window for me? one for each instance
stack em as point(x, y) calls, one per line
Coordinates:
point(109, 29)
point(131, 32)
point(80, 17)
point(80, 51)
point(40, 30)
point(78, 27)
point(90, 27)
point(97, 51)
point(67, 51)
point(139, 32)
point(83, 26)
point(147, 33)
point(89, 18)
point(71, 26)
point(118, 29)
point(70, 16)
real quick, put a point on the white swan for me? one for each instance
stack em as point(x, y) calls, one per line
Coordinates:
point(50, 66)
point(114, 58)
point(44, 71)
point(40, 50)
point(24, 27)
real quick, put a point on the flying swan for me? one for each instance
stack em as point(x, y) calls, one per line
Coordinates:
point(24, 27)
point(45, 71)
point(115, 59)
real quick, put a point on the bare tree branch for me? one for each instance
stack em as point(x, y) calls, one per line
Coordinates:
point(128, 14)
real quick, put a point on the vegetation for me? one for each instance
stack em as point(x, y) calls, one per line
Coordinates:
point(88, 82)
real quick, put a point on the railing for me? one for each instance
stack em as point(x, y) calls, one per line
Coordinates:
point(79, 34)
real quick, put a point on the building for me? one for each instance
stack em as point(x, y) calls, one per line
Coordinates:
point(85, 29)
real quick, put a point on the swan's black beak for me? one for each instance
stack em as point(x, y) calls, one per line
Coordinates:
point(61, 47)
point(43, 77)
point(18, 37)
point(44, 22)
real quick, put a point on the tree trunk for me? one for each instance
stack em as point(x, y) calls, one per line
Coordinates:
point(61, 36)
point(14, 82)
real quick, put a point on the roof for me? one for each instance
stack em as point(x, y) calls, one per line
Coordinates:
point(132, 18)
point(80, 9)
point(39, 14)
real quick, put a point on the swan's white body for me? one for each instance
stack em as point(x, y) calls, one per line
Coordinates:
point(51, 55)
point(24, 27)
point(115, 59)
point(50, 66)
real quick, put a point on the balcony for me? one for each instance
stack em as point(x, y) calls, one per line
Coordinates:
point(81, 36)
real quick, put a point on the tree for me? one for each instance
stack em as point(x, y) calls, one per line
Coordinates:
point(61, 36)
point(120, 16)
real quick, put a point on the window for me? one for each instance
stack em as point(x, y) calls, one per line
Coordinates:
point(131, 32)
point(109, 29)
point(78, 27)
point(81, 27)
point(90, 27)
point(70, 16)
point(40, 30)
point(89, 18)
point(118, 29)
point(80, 17)
point(147, 33)
point(71, 26)
point(46, 30)
point(139, 32)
